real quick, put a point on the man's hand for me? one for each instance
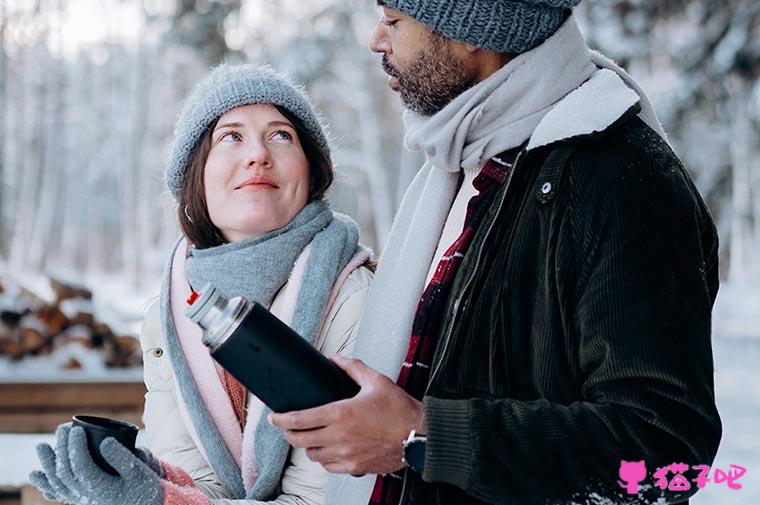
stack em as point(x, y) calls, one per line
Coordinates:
point(363, 434)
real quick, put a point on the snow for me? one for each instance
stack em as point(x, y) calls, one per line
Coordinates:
point(737, 376)
point(736, 313)
point(19, 456)
point(51, 368)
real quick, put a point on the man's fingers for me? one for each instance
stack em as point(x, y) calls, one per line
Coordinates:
point(308, 419)
point(356, 369)
point(311, 438)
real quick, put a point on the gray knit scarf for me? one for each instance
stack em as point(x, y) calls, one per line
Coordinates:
point(256, 269)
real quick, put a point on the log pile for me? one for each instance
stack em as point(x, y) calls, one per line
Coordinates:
point(29, 326)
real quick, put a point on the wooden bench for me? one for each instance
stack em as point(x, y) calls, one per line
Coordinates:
point(40, 407)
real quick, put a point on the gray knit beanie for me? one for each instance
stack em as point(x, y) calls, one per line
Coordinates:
point(504, 26)
point(223, 89)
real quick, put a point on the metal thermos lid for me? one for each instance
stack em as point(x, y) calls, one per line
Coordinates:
point(217, 316)
point(204, 305)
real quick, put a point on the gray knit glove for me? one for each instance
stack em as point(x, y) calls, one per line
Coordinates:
point(78, 480)
point(149, 459)
point(53, 463)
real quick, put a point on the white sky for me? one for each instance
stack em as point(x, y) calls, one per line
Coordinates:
point(82, 23)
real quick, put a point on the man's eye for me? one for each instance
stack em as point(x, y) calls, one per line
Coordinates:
point(390, 22)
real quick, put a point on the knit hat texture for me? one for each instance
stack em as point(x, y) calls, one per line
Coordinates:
point(223, 89)
point(504, 26)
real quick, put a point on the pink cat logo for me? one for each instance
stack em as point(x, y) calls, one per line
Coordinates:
point(632, 473)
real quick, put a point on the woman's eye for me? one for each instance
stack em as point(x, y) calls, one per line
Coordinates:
point(230, 137)
point(282, 135)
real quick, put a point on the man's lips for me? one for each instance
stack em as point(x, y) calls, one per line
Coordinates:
point(258, 181)
point(389, 69)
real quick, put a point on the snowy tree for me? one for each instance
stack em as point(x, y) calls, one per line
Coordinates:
point(700, 60)
point(4, 193)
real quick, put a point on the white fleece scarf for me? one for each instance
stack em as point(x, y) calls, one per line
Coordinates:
point(558, 90)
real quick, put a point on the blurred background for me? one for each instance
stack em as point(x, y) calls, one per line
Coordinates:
point(90, 89)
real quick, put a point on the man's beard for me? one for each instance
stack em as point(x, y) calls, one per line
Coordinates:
point(433, 79)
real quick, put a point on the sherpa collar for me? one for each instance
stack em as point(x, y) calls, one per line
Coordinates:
point(595, 106)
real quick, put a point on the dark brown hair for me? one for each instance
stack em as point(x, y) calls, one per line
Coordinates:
point(192, 210)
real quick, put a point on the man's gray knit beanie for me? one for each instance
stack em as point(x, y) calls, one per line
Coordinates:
point(504, 26)
point(223, 89)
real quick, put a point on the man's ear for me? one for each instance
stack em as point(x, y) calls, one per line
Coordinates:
point(471, 49)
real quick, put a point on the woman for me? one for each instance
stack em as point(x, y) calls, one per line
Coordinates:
point(249, 168)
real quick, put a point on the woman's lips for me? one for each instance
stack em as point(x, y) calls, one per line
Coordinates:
point(258, 183)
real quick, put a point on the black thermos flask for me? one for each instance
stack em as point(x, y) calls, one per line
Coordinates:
point(270, 359)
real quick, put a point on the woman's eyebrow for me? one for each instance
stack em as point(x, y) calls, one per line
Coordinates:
point(281, 123)
point(228, 125)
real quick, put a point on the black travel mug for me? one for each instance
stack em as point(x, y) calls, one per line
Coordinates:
point(268, 357)
point(97, 429)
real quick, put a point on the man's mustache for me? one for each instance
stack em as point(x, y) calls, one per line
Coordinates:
point(388, 68)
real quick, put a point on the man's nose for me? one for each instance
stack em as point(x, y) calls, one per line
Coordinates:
point(379, 41)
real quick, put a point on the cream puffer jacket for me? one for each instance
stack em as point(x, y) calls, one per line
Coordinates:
point(168, 438)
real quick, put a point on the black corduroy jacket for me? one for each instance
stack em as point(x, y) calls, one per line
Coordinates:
point(578, 331)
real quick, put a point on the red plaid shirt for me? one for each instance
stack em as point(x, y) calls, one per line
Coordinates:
point(415, 372)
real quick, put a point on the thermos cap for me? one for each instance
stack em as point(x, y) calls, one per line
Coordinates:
point(201, 302)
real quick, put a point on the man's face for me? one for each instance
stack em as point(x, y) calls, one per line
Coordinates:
point(423, 66)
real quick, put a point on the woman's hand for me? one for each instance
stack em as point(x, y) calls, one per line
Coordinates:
point(51, 486)
point(363, 434)
point(73, 476)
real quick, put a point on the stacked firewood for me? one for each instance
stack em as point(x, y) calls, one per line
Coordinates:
point(29, 326)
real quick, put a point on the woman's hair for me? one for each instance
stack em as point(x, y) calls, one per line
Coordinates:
point(192, 210)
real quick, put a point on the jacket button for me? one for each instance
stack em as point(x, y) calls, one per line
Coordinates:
point(158, 352)
point(546, 188)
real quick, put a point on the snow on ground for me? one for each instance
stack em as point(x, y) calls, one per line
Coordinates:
point(737, 310)
point(737, 391)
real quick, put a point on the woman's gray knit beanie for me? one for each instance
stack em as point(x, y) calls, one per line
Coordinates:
point(223, 89)
point(504, 26)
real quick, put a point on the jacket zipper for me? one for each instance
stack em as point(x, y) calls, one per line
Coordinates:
point(464, 290)
point(447, 338)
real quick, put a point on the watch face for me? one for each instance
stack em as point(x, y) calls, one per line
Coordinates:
point(414, 453)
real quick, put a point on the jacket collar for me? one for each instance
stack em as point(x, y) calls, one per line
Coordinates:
point(592, 108)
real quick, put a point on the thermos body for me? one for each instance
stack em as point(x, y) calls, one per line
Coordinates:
point(268, 357)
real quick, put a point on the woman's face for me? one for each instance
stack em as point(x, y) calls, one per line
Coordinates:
point(256, 175)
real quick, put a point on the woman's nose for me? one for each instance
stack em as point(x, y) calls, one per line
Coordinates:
point(258, 155)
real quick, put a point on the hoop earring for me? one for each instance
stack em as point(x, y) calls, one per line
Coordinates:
point(188, 216)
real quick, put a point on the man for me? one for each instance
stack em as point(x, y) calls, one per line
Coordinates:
point(545, 297)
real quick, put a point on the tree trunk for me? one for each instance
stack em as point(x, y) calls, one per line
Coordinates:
point(29, 156)
point(4, 191)
point(53, 158)
point(372, 162)
point(741, 137)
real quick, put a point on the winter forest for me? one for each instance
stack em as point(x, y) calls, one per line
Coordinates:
point(89, 92)
point(90, 89)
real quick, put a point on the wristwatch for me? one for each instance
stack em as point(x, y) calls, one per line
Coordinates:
point(413, 454)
